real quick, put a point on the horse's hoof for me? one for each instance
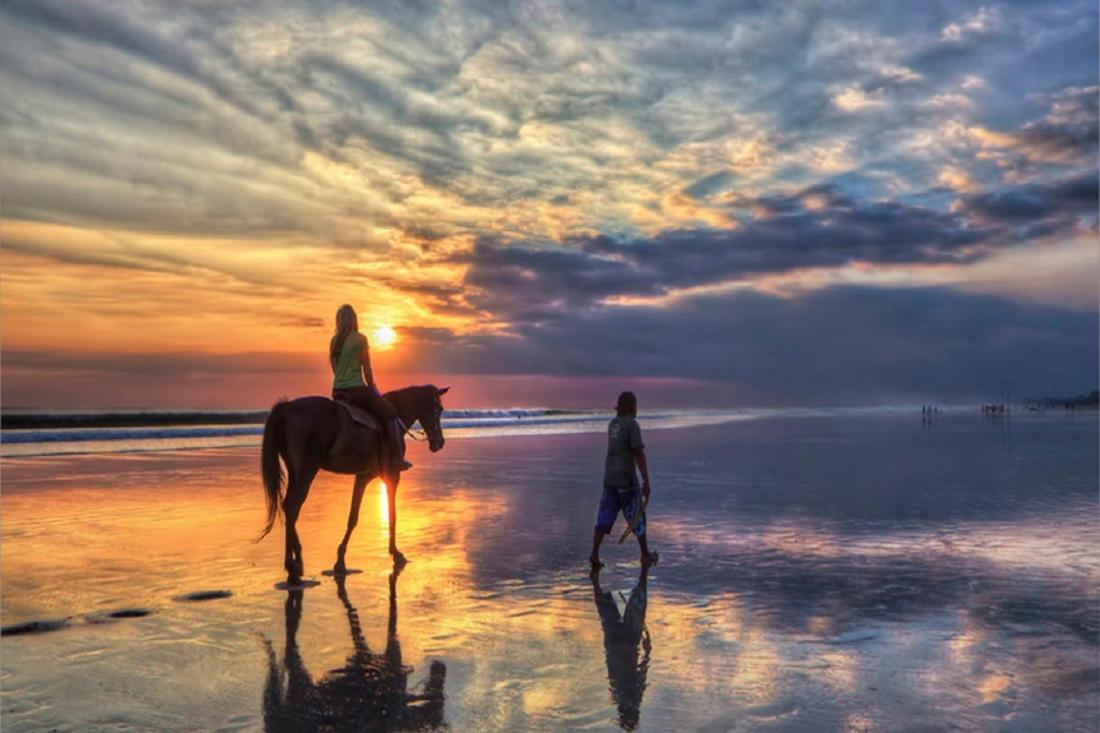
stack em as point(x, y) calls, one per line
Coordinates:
point(296, 585)
point(340, 574)
point(399, 559)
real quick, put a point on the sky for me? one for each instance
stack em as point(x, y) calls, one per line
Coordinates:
point(715, 204)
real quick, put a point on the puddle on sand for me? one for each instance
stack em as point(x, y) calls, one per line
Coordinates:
point(204, 595)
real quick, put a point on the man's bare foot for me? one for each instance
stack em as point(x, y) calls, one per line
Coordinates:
point(595, 563)
point(650, 558)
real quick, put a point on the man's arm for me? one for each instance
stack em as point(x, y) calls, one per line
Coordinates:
point(639, 456)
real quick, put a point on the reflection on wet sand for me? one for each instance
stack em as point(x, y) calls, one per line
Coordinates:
point(622, 635)
point(369, 693)
point(819, 576)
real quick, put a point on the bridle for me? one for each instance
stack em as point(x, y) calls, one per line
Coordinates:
point(418, 434)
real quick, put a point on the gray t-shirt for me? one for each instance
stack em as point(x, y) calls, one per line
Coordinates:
point(623, 438)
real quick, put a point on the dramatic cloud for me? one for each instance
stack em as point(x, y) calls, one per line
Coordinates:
point(818, 228)
point(217, 178)
point(1038, 202)
point(841, 345)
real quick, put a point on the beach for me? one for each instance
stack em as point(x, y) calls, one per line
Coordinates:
point(819, 571)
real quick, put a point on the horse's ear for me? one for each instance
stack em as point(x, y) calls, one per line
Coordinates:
point(442, 392)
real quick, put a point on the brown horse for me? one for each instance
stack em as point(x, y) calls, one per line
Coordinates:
point(314, 433)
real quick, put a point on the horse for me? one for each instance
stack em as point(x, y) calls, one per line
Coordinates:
point(314, 433)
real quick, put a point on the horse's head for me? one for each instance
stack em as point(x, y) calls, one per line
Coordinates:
point(421, 404)
point(429, 413)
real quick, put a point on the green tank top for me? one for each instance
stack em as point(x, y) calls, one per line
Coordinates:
point(347, 371)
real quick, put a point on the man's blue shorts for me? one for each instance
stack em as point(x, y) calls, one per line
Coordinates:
point(628, 501)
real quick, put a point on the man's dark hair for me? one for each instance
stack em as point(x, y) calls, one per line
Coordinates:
point(627, 404)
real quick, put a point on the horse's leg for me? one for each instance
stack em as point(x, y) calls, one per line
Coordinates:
point(361, 481)
point(297, 490)
point(292, 561)
point(391, 495)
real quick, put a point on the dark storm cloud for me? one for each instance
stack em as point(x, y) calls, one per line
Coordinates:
point(1068, 132)
point(840, 345)
point(528, 283)
point(843, 231)
point(1063, 199)
point(531, 284)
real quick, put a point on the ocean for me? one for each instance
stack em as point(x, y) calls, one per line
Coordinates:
point(40, 432)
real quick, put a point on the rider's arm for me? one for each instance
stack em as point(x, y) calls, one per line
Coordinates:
point(368, 373)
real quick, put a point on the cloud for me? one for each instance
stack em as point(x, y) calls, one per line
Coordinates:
point(838, 345)
point(236, 119)
point(1067, 134)
point(817, 228)
point(1062, 200)
point(183, 364)
point(511, 168)
point(855, 100)
point(984, 22)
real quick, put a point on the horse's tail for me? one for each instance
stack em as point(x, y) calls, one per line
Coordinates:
point(274, 438)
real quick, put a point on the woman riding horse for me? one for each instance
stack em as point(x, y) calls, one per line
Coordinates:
point(353, 382)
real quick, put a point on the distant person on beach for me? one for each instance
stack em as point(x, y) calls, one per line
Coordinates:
point(353, 381)
point(625, 451)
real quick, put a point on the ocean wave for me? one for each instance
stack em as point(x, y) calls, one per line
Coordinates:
point(45, 420)
point(451, 419)
point(81, 435)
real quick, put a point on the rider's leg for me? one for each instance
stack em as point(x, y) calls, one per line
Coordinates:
point(397, 444)
point(391, 428)
point(394, 430)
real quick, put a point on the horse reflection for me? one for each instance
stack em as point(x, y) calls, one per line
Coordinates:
point(369, 693)
point(622, 635)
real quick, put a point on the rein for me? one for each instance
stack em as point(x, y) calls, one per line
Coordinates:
point(418, 434)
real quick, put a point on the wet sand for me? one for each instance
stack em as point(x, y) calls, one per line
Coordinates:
point(817, 574)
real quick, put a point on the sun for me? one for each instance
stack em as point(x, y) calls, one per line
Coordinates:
point(384, 337)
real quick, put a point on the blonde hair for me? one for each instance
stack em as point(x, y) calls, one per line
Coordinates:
point(346, 324)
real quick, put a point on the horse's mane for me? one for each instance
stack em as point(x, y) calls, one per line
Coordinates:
point(408, 389)
point(412, 391)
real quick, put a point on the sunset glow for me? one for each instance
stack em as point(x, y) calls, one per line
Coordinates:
point(383, 337)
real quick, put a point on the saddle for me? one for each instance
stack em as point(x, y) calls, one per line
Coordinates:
point(359, 416)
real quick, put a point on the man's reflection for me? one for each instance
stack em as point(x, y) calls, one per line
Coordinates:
point(622, 635)
point(369, 693)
